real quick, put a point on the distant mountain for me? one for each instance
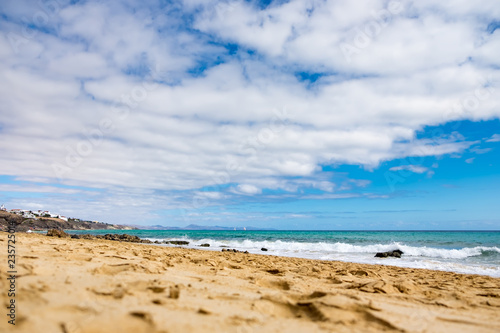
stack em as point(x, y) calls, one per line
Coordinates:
point(197, 227)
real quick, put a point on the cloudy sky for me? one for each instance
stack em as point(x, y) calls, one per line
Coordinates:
point(300, 114)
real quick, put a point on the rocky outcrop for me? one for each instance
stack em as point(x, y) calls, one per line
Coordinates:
point(23, 224)
point(205, 245)
point(112, 237)
point(57, 233)
point(87, 236)
point(395, 254)
point(177, 242)
point(121, 238)
point(263, 249)
point(234, 250)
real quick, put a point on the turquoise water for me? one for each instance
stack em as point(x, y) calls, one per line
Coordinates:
point(473, 252)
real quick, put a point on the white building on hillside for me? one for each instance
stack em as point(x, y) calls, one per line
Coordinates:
point(34, 215)
point(22, 212)
point(28, 214)
point(44, 212)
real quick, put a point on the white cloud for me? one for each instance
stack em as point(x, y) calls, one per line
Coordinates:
point(494, 138)
point(480, 151)
point(410, 167)
point(470, 160)
point(40, 189)
point(247, 189)
point(81, 65)
point(218, 127)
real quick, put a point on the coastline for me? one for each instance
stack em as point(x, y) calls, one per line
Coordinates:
point(79, 285)
point(470, 252)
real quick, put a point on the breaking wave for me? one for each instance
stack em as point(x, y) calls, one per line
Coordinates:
point(328, 248)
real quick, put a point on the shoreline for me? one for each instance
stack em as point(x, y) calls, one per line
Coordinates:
point(417, 261)
point(101, 286)
point(396, 263)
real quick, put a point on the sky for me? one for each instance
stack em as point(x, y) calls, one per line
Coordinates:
point(300, 114)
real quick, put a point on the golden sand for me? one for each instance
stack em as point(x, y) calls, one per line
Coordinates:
point(83, 286)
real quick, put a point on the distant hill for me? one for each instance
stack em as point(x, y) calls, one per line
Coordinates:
point(198, 227)
point(45, 223)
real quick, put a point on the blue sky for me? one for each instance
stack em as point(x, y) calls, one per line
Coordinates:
point(284, 114)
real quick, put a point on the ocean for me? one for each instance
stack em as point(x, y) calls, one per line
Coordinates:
point(470, 252)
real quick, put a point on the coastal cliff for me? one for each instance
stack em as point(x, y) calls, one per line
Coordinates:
point(45, 223)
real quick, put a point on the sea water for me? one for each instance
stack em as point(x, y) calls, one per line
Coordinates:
point(471, 252)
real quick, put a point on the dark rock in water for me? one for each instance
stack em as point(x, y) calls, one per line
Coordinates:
point(122, 238)
point(395, 254)
point(177, 242)
point(117, 237)
point(263, 249)
point(134, 239)
point(233, 250)
point(157, 242)
point(87, 236)
point(57, 233)
point(205, 245)
point(113, 237)
point(246, 252)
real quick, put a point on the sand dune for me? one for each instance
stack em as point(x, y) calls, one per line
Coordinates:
point(84, 286)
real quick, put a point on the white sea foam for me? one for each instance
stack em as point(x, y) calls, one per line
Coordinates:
point(321, 247)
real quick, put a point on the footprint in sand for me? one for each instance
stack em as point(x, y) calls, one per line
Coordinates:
point(274, 283)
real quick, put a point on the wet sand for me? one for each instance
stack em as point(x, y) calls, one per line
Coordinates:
point(75, 285)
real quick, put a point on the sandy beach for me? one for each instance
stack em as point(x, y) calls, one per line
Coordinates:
point(76, 285)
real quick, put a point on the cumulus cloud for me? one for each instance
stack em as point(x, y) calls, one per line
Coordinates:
point(247, 189)
point(494, 138)
point(172, 98)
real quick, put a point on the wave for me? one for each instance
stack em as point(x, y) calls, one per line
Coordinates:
point(283, 247)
